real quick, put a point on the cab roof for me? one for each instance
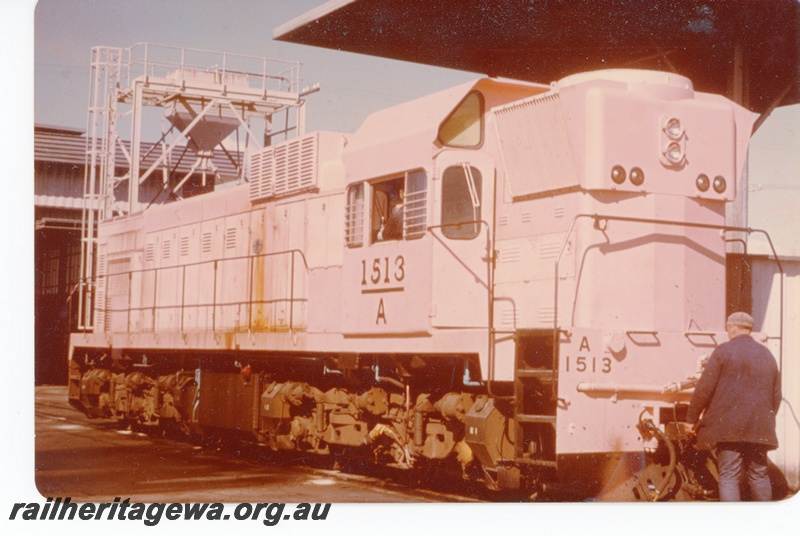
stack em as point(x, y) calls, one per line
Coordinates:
point(412, 128)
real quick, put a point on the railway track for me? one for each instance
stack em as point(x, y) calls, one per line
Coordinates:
point(94, 459)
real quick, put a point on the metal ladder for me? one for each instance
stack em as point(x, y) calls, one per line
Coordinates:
point(535, 399)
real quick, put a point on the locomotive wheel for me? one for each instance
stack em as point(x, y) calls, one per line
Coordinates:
point(653, 479)
point(639, 478)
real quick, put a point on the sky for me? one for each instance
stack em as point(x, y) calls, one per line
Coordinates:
point(46, 80)
point(352, 85)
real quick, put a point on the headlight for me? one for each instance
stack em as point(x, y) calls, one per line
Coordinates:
point(720, 184)
point(672, 142)
point(674, 153)
point(673, 128)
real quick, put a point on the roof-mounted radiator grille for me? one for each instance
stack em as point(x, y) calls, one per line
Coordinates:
point(535, 146)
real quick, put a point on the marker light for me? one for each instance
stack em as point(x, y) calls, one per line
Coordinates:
point(618, 174)
point(703, 182)
point(674, 153)
point(720, 184)
point(673, 128)
point(637, 176)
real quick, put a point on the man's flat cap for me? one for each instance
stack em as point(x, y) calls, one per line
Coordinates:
point(741, 319)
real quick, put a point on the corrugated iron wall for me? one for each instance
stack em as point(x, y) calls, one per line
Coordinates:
point(766, 303)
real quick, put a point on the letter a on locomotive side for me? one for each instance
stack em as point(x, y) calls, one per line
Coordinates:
point(515, 281)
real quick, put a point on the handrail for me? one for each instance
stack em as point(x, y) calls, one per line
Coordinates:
point(489, 259)
point(149, 59)
point(601, 222)
point(214, 304)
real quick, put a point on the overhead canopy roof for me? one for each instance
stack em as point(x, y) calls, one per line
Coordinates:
point(744, 49)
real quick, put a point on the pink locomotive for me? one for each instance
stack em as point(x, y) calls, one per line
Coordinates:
point(516, 282)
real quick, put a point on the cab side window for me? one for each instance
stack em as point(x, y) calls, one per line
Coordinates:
point(464, 126)
point(387, 210)
point(354, 216)
point(416, 205)
point(399, 208)
point(461, 202)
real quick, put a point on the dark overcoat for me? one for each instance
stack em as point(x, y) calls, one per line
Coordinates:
point(740, 392)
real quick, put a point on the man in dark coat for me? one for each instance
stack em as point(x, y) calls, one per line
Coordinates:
point(740, 392)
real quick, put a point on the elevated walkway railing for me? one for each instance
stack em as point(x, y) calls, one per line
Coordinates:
point(182, 64)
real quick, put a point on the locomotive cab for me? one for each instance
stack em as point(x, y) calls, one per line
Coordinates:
point(418, 218)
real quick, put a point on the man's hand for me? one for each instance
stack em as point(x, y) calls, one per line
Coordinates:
point(689, 430)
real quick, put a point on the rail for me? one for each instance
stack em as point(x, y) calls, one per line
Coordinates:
point(152, 305)
point(601, 223)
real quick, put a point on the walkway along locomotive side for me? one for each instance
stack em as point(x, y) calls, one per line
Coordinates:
point(517, 281)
